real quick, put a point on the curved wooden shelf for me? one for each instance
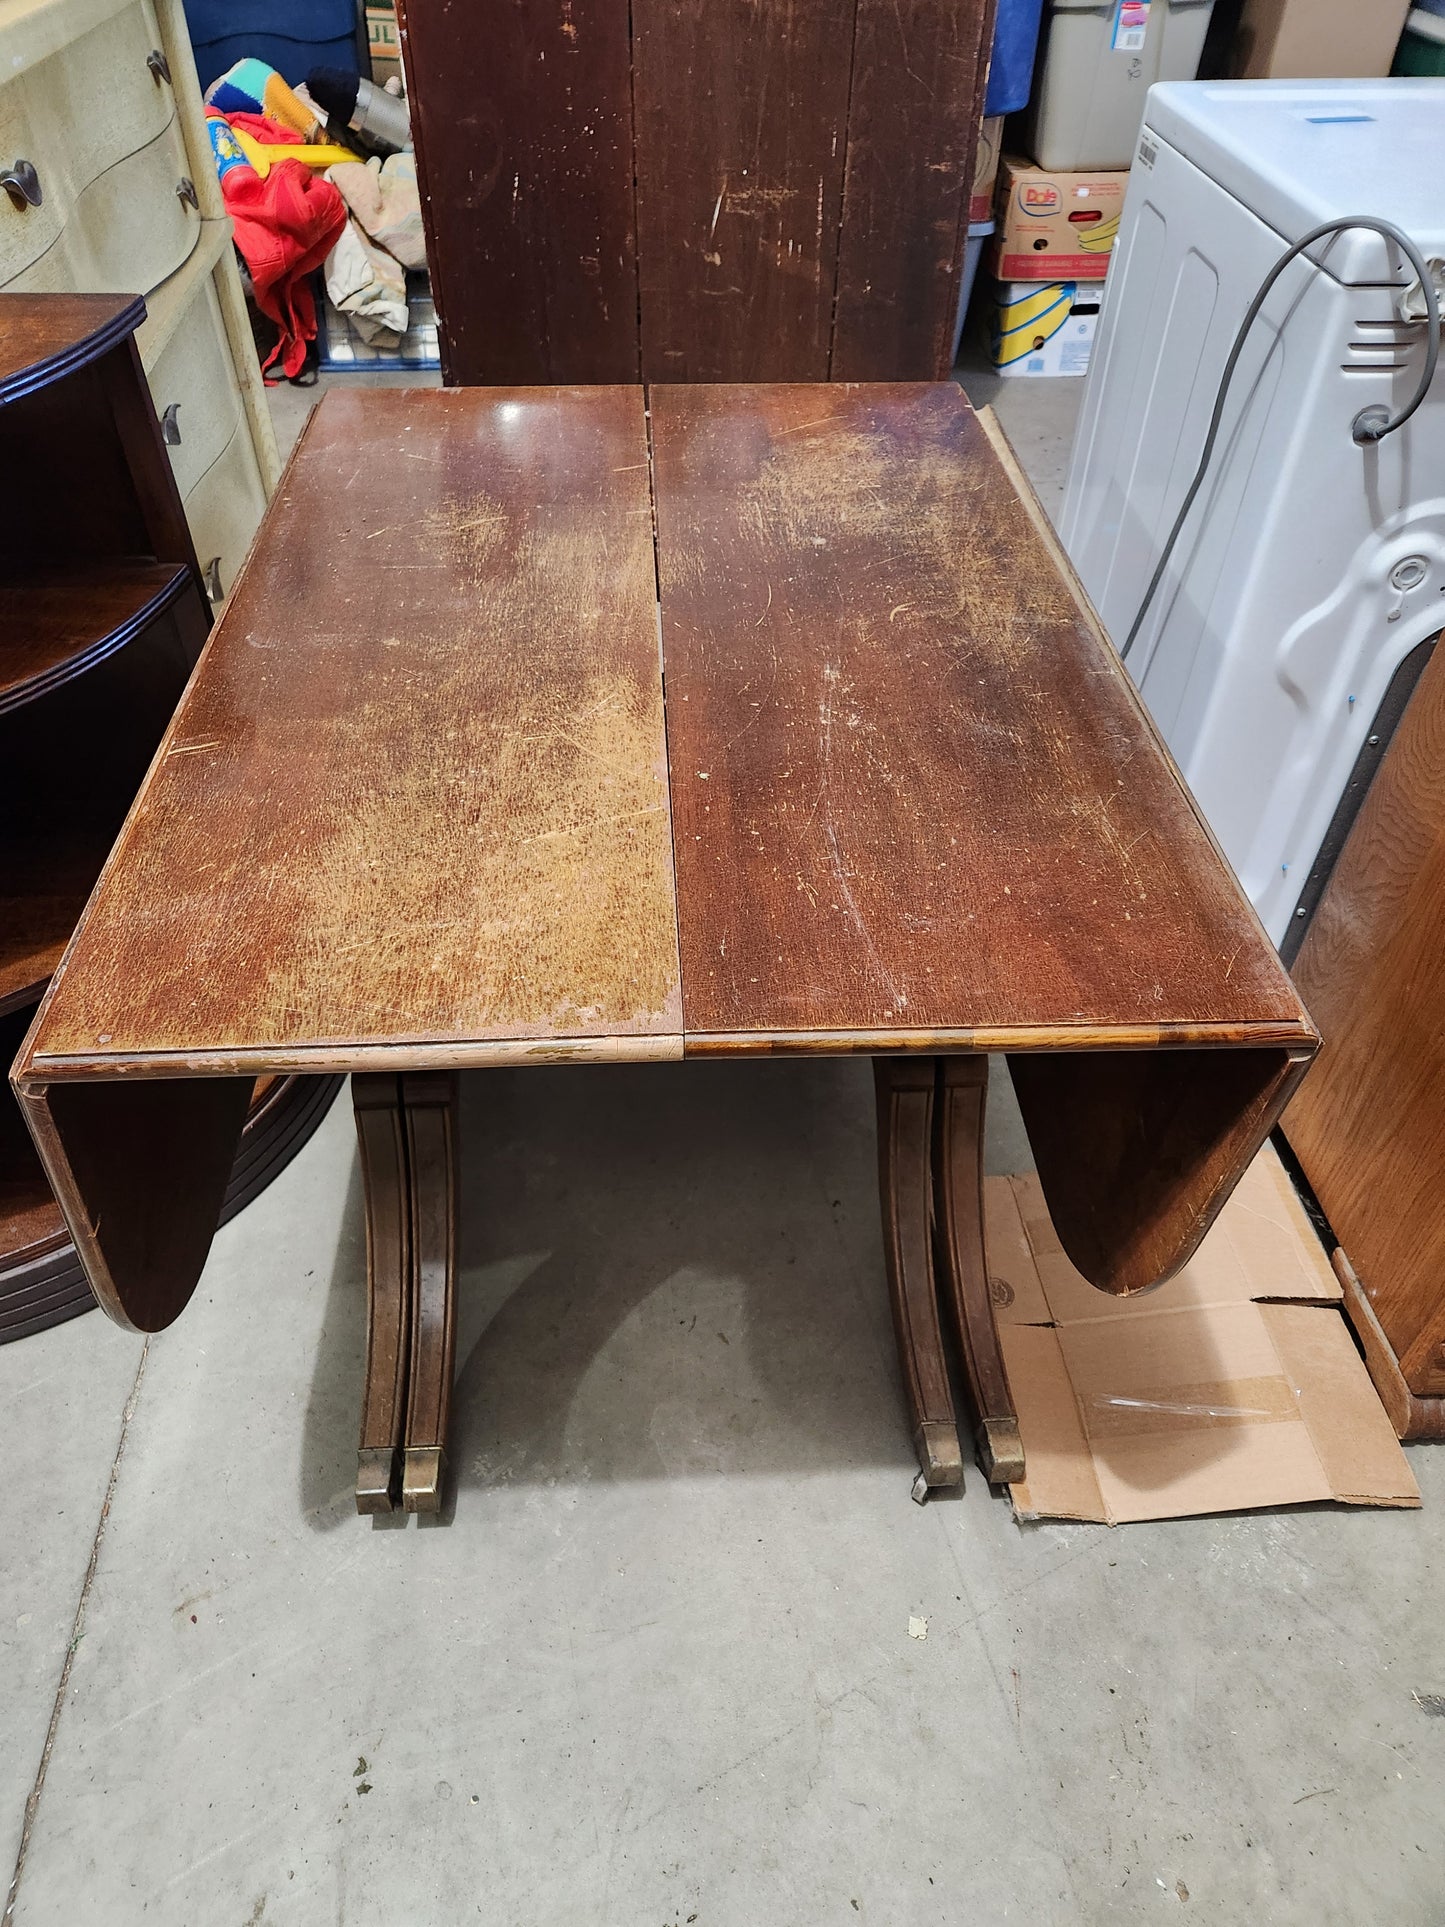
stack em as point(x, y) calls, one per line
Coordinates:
point(55, 627)
point(44, 338)
point(40, 904)
point(41, 1280)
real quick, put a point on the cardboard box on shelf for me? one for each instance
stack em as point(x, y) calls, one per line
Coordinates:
point(985, 169)
point(1054, 227)
point(1042, 327)
point(1317, 39)
point(384, 43)
point(1234, 1385)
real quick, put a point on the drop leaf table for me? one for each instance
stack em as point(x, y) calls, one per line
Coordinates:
point(601, 724)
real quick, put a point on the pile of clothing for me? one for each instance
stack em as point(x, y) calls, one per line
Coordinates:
point(300, 200)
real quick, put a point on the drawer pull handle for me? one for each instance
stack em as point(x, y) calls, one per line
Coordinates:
point(170, 427)
point(186, 190)
point(22, 184)
point(212, 574)
point(160, 67)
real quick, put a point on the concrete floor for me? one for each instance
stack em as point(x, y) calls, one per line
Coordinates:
point(657, 1663)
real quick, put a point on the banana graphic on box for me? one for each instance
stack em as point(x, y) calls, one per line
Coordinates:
point(1021, 327)
point(1099, 239)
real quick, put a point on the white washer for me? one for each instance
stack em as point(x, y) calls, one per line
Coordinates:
point(1288, 628)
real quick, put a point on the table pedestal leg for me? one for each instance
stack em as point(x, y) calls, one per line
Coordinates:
point(405, 1128)
point(381, 1135)
point(429, 1098)
point(905, 1087)
point(958, 1223)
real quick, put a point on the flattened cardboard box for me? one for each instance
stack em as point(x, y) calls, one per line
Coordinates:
point(1235, 1385)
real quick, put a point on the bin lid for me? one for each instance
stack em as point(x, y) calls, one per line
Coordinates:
point(1298, 152)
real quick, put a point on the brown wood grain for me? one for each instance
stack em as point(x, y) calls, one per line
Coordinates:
point(523, 120)
point(1138, 1151)
point(741, 128)
point(417, 791)
point(1369, 1126)
point(911, 786)
point(56, 626)
point(44, 337)
point(912, 125)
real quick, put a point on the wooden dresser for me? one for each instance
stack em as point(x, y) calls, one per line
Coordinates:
point(109, 188)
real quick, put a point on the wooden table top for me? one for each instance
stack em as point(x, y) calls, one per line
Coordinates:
point(424, 803)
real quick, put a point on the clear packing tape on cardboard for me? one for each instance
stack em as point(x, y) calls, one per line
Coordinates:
point(1235, 1385)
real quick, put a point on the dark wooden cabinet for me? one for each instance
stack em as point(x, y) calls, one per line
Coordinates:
point(102, 616)
point(1369, 1126)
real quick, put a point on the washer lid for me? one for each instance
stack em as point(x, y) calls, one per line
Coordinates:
point(1298, 152)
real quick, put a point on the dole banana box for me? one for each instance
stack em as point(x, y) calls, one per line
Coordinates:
point(1054, 227)
point(1042, 327)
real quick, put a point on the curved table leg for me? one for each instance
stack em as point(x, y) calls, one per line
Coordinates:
point(905, 1088)
point(430, 1102)
point(381, 1134)
point(958, 1223)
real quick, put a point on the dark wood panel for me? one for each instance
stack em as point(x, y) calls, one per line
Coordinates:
point(417, 789)
point(1369, 1127)
point(57, 626)
point(69, 768)
point(523, 121)
point(1138, 1150)
point(912, 787)
point(741, 119)
point(140, 1170)
point(918, 69)
point(44, 337)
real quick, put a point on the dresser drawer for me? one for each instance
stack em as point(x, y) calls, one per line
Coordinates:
point(224, 510)
point(95, 100)
point(124, 233)
point(25, 231)
point(194, 376)
point(100, 129)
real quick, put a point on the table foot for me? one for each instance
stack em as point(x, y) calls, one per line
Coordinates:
point(905, 1089)
point(375, 1479)
point(406, 1130)
point(421, 1479)
point(958, 1128)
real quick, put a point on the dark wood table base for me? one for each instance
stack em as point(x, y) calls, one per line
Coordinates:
point(930, 1173)
point(406, 1126)
point(930, 1160)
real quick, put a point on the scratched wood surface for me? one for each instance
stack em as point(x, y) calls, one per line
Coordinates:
point(1368, 1127)
point(741, 120)
point(911, 787)
point(417, 791)
point(522, 112)
point(918, 68)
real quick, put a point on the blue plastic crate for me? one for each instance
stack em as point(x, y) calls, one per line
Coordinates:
point(1015, 42)
point(293, 36)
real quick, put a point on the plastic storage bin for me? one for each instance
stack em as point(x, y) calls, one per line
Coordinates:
point(1100, 61)
point(1011, 69)
point(1422, 45)
point(978, 233)
point(292, 36)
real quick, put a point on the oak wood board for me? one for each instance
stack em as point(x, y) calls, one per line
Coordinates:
point(912, 789)
point(416, 792)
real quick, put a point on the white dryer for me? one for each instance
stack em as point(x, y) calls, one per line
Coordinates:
point(1309, 580)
